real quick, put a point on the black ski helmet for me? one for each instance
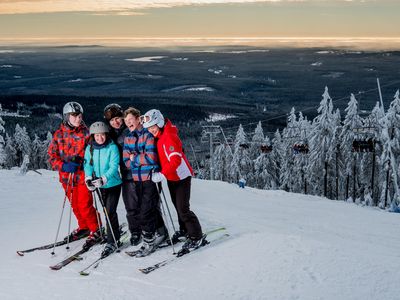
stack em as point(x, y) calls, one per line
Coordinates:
point(113, 110)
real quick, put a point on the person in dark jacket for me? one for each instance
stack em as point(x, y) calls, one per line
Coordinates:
point(176, 169)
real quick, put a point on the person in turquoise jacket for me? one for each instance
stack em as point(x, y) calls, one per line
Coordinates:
point(101, 166)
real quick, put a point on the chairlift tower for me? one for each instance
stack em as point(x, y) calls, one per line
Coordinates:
point(211, 132)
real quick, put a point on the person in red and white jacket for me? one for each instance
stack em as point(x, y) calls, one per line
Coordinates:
point(175, 168)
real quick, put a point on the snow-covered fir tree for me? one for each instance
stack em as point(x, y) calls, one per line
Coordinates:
point(35, 159)
point(222, 161)
point(301, 158)
point(241, 164)
point(265, 169)
point(25, 165)
point(290, 135)
point(352, 123)
point(377, 120)
point(10, 153)
point(22, 143)
point(390, 152)
point(255, 150)
point(320, 146)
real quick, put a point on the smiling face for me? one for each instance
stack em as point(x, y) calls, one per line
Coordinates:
point(116, 122)
point(100, 138)
point(154, 130)
point(75, 119)
point(132, 122)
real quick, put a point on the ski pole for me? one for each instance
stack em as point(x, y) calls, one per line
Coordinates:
point(97, 214)
point(161, 190)
point(166, 204)
point(166, 219)
point(70, 212)
point(62, 212)
point(97, 190)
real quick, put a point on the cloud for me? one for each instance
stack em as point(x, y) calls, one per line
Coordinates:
point(118, 7)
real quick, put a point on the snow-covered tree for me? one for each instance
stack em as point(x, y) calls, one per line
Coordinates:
point(10, 153)
point(24, 166)
point(320, 145)
point(222, 161)
point(265, 169)
point(35, 159)
point(377, 120)
point(391, 149)
point(241, 164)
point(255, 150)
point(351, 124)
point(256, 141)
point(22, 143)
point(290, 136)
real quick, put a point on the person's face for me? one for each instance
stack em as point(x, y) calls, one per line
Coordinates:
point(75, 119)
point(100, 138)
point(116, 122)
point(132, 122)
point(154, 130)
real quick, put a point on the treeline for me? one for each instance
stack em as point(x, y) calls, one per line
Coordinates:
point(352, 158)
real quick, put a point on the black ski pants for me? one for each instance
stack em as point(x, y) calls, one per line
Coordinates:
point(110, 198)
point(180, 196)
point(142, 200)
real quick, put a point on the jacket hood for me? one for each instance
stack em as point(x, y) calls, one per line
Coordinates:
point(170, 128)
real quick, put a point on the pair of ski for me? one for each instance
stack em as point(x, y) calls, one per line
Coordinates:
point(49, 246)
point(77, 255)
point(86, 271)
point(184, 252)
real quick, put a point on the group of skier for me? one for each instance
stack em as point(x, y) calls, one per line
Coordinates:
point(132, 153)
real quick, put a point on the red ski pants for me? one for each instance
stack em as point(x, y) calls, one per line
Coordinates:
point(82, 205)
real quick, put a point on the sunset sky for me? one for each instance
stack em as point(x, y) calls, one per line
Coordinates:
point(178, 19)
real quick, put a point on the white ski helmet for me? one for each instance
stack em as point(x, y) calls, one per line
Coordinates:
point(72, 107)
point(99, 127)
point(153, 117)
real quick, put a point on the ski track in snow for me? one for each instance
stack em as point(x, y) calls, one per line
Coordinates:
point(281, 246)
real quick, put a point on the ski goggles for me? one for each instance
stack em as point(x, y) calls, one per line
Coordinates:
point(145, 119)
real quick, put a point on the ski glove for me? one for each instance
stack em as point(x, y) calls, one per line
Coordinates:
point(99, 182)
point(89, 183)
point(157, 177)
point(70, 167)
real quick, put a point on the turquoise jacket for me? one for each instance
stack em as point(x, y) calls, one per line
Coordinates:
point(105, 163)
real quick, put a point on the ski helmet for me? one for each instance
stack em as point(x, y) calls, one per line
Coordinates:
point(152, 117)
point(113, 110)
point(70, 108)
point(99, 127)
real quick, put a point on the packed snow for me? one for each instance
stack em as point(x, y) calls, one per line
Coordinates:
point(281, 246)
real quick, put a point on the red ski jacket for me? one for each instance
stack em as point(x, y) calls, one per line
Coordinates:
point(68, 144)
point(174, 164)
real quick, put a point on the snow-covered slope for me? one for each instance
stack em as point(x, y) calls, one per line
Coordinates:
point(281, 246)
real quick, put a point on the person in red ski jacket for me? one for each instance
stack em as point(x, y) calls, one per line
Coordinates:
point(175, 168)
point(66, 153)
